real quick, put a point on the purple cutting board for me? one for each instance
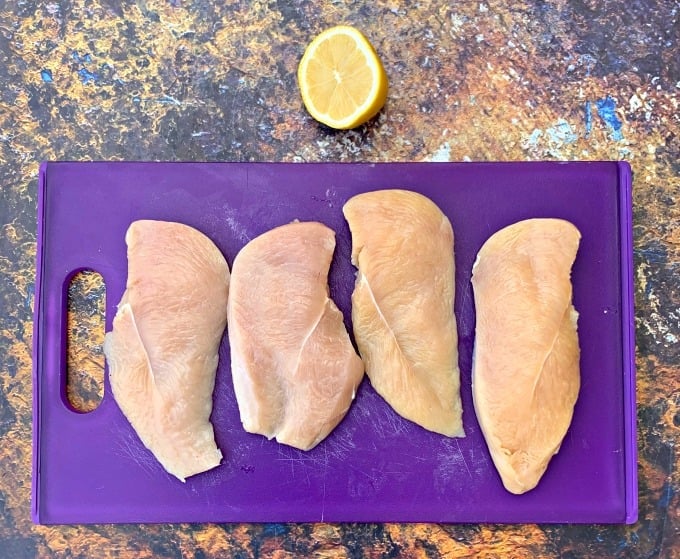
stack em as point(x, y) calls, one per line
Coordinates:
point(375, 466)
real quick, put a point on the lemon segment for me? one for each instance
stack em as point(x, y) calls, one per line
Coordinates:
point(341, 78)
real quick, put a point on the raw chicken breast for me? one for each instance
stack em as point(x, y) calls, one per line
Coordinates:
point(402, 305)
point(294, 368)
point(526, 359)
point(163, 350)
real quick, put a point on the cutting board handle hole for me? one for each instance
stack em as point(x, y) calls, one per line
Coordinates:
point(86, 310)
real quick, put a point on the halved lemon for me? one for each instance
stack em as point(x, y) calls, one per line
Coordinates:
point(342, 81)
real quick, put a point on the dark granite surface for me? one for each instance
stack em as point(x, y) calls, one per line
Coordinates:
point(208, 80)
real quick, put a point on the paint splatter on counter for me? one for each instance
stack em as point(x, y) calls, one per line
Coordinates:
point(606, 109)
point(552, 141)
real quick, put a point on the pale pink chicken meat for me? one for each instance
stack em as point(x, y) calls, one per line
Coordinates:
point(163, 350)
point(402, 305)
point(525, 375)
point(294, 369)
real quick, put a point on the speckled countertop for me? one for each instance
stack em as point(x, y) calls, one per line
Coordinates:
point(207, 80)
